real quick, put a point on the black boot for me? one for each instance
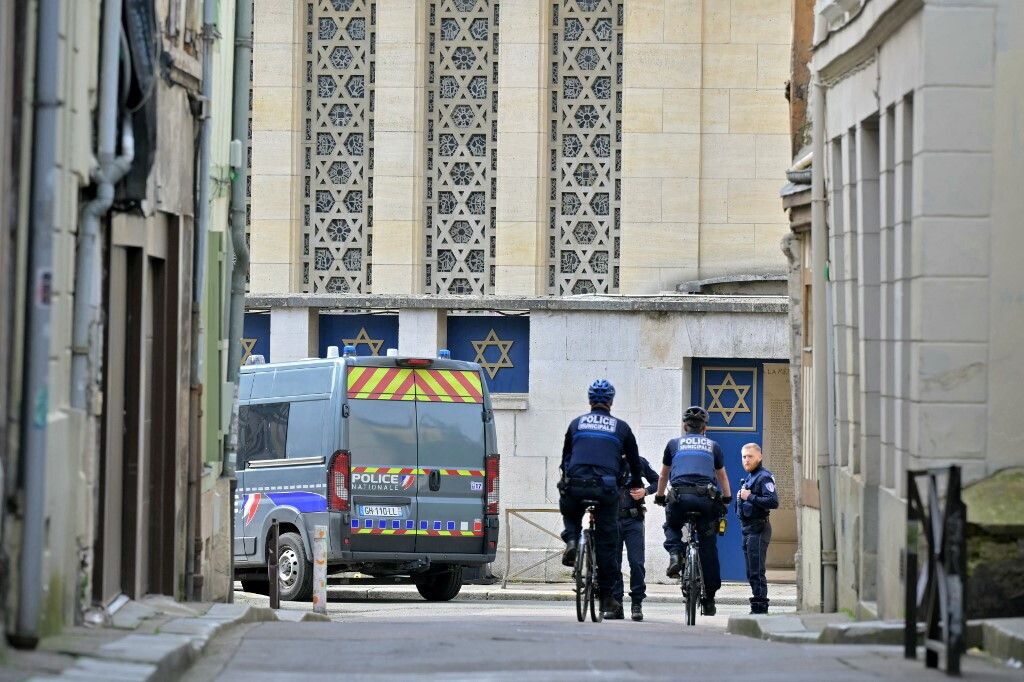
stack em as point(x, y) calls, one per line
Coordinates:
point(758, 607)
point(675, 564)
point(569, 555)
point(638, 611)
point(708, 607)
point(611, 609)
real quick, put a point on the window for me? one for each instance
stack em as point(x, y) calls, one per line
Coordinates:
point(262, 432)
point(306, 428)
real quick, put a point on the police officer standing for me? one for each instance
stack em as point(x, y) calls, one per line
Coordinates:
point(631, 534)
point(755, 498)
point(694, 463)
point(595, 445)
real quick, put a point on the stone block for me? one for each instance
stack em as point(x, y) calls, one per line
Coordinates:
point(272, 66)
point(667, 343)
point(396, 278)
point(515, 280)
point(663, 402)
point(274, 22)
point(273, 152)
point(949, 430)
point(525, 207)
point(864, 632)
point(520, 110)
point(641, 200)
point(680, 200)
point(275, 195)
point(548, 332)
point(270, 241)
point(395, 198)
point(768, 254)
point(717, 21)
point(714, 111)
point(714, 201)
point(933, 298)
point(730, 66)
point(524, 481)
point(754, 201)
point(644, 21)
point(772, 156)
point(972, 30)
point(421, 332)
point(398, 65)
point(523, 64)
point(761, 21)
point(773, 66)
point(662, 66)
point(758, 111)
point(682, 21)
point(393, 242)
point(952, 184)
point(517, 243)
point(270, 278)
point(519, 157)
point(966, 110)
point(642, 110)
point(949, 372)
point(660, 245)
point(660, 155)
point(396, 111)
point(272, 109)
point(294, 334)
point(681, 110)
point(523, 21)
point(395, 153)
point(728, 156)
point(639, 281)
point(397, 22)
point(950, 247)
point(725, 249)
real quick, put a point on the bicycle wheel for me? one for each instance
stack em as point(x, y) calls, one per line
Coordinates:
point(691, 586)
point(579, 574)
point(592, 595)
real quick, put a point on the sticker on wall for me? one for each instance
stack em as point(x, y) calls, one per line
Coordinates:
point(500, 344)
point(370, 334)
point(729, 394)
point(256, 336)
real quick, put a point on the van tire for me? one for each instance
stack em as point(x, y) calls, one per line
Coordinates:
point(440, 585)
point(300, 569)
point(256, 585)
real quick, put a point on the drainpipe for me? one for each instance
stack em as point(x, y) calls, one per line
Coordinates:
point(239, 133)
point(88, 259)
point(34, 399)
point(193, 545)
point(819, 257)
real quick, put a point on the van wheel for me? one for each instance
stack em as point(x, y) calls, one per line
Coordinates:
point(256, 585)
point(441, 585)
point(294, 569)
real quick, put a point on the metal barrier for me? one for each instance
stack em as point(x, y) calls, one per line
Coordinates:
point(273, 571)
point(939, 591)
point(518, 513)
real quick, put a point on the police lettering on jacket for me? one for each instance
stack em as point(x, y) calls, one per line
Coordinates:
point(763, 496)
point(596, 442)
point(693, 458)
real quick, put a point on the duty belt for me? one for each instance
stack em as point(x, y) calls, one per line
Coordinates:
point(699, 490)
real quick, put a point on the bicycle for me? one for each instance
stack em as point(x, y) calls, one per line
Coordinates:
point(691, 578)
point(584, 570)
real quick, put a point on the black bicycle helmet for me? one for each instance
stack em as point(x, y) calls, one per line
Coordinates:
point(695, 413)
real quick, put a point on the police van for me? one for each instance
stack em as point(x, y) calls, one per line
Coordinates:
point(396, 456)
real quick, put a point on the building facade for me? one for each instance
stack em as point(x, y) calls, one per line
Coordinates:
point(130, 491)
point(922, 151)
point(535, 185)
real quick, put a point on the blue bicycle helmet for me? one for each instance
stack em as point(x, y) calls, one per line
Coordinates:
point(601, 392)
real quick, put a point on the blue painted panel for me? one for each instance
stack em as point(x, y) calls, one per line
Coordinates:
point(256, 336)
point(730, 390)
point(370, 334)
point(501, 344)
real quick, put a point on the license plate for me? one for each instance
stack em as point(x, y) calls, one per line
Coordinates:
point(382, 512)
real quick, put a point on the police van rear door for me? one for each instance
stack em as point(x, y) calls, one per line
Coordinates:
point(452, 447)
point(382, 446)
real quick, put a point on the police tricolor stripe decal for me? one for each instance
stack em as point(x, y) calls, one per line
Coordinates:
point(416, 471)
point(423, 385)
point(453, 529)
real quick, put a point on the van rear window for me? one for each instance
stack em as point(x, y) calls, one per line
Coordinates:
point(262, 432)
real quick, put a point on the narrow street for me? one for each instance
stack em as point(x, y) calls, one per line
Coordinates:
point(536, 640)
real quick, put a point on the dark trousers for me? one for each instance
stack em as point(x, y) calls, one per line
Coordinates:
point(606, 527)
point(707, 548)
point(631, 535)
point(756, 536)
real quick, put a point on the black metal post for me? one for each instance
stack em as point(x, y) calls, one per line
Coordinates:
point(273, 574)
point(910, 596)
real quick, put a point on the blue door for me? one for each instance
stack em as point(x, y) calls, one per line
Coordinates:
point(730, 390)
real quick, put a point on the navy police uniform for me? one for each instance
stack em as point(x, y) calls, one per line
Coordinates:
point(631, 535)
point(595, 445)
point(694, 460)
point(757, 531)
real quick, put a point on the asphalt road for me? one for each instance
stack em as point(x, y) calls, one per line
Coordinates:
point(536, 640)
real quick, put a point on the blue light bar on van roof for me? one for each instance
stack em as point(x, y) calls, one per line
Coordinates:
point(444, 354)
point(349, 352)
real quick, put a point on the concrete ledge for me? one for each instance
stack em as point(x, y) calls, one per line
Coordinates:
point(672, 303)
point(864, 632)
point(1004, 638)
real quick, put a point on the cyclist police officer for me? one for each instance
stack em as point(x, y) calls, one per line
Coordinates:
point(692, 463)
point(595, 445)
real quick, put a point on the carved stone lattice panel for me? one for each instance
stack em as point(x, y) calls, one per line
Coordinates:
point(337, 207)
point(462, 125)
point(586, 137)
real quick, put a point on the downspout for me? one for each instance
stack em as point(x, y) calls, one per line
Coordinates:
point(193, 532)
point(239, 132)
point(819, 257)
point(88, 259)
point(34, 399)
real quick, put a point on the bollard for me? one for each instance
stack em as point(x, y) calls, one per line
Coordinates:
point(273, 569)
point(320, 569)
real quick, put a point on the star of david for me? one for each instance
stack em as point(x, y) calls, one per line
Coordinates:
point(728, 384)
point(363, 338)
point(503, 347)
point(248, 345)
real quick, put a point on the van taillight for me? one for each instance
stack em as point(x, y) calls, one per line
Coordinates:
point(492, 483)
point(338, 481)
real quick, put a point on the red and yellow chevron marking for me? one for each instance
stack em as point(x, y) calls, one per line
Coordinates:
point(416, 471)
point(424, 385)
point(432, 533)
